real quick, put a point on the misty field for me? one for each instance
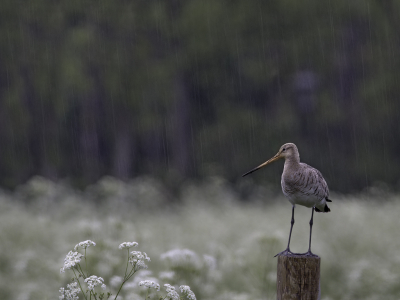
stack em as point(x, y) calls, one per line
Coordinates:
point(205, 237)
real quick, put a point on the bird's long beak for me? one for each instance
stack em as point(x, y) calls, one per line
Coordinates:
point(276, 157)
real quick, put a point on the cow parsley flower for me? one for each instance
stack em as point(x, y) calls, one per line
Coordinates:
point(70, 293)
point(94, 281)
point(128, 245)
point(185, 289)
point(137, 255)
point(171, 293)
point(182, 257)
point(166, 275)
point(71, 260)
point(210, 262)
point(137, 259)
point(150, 284)
point(84, 245)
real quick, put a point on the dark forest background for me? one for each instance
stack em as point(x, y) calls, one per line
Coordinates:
point(186, 89)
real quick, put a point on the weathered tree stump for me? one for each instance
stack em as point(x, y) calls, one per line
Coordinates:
point(298, 277)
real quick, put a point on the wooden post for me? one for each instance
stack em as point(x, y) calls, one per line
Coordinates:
point(298, 277)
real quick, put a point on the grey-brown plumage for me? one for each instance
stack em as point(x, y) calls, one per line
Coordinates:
point(301, 184)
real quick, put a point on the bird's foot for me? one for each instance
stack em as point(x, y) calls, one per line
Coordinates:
point(286, 252)
point(309, 254)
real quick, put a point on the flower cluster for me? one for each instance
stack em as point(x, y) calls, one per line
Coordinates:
point(84, 245)
point(70, 293)
point(137, 260)
point(166, 275)
point(150, 284)
point(210, 262)
point(94, 281)
point(71, 260)
point(171, 293)
point(128, 245)
point(182, 257)
point(185, 289)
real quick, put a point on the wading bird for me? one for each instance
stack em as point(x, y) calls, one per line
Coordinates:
point(301, 184)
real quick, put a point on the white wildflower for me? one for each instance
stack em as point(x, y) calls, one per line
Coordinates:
point(128, 245)
point(71, 260)
point(137, 259)
point(166, 275)
point(141, 275)
point(171, 293)
point(84, 245)
point(70, 293)
point(210, 262)
point(185, 289)
point(137, 255)
point(94, 281)
point(150, 284)
point(140, 265)
point(182, 257)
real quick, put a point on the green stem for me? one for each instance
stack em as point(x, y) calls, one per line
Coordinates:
point(86, 263)
point(127, 263)
point(132, 271)
point(92, 293)
point(80, 270)
point(130, 274)
point(126, 277)
point(79, 283)
point(119, 289)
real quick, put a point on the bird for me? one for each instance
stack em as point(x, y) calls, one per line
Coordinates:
point(302, 185)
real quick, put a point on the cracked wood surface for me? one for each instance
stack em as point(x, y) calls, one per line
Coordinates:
point(298, 277)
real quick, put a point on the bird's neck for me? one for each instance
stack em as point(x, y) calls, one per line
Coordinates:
point(292, 162)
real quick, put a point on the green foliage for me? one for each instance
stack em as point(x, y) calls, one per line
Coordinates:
point(125, 88)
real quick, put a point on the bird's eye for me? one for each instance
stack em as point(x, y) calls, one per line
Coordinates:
point(284, 149)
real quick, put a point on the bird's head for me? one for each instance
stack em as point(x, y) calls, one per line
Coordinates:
point(286, 151)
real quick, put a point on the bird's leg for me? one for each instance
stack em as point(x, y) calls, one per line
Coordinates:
point(290, 235)
point(291, 227)
point(309, 253)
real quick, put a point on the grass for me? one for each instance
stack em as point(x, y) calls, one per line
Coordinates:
point(358, 241)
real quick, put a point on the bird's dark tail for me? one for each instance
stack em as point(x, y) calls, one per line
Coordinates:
point(326, 209)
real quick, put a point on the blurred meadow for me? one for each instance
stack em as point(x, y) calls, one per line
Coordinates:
point(126, 121)
point(230, 244)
